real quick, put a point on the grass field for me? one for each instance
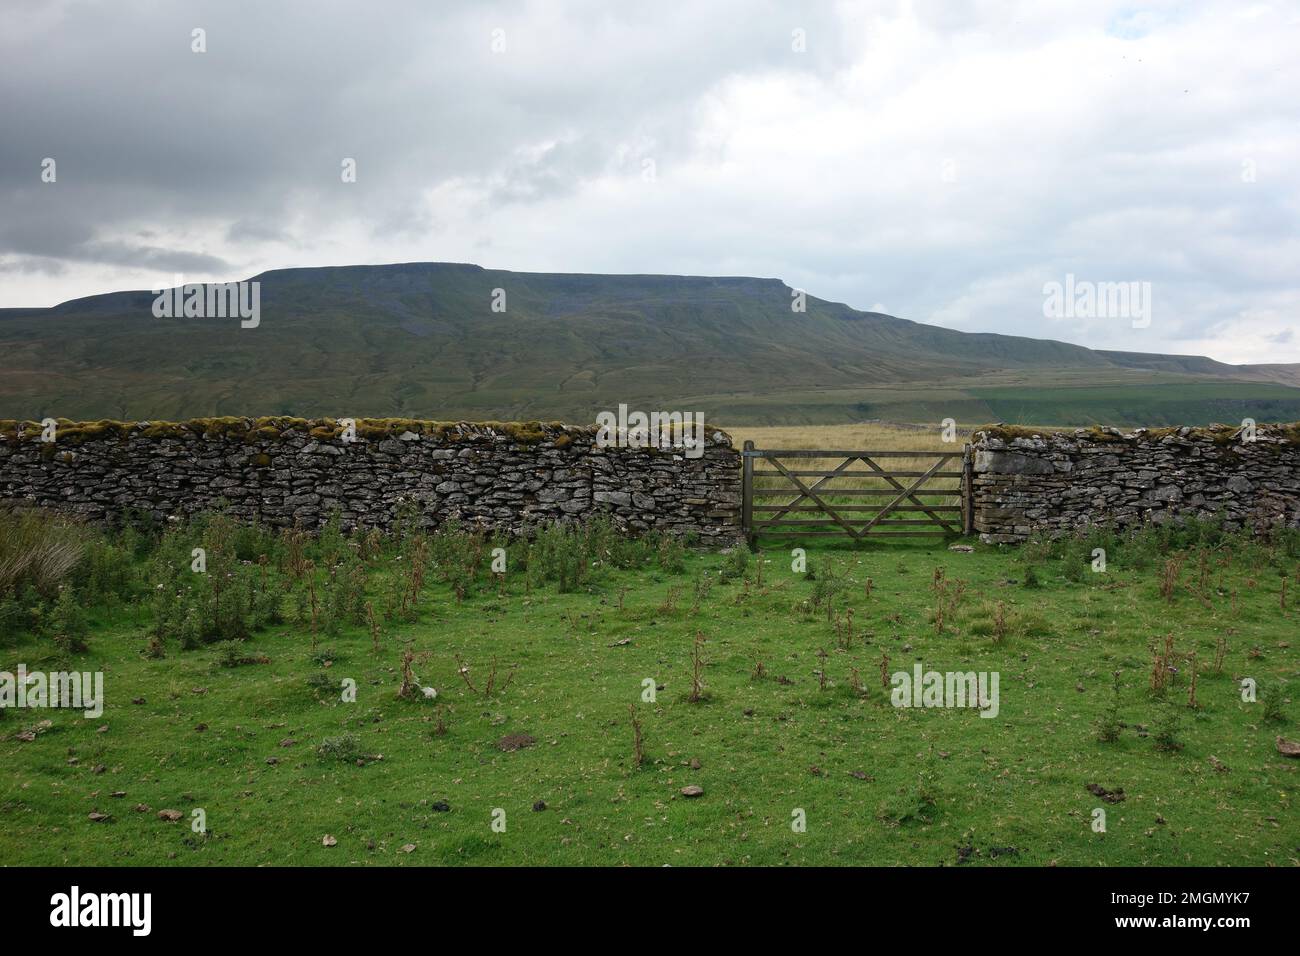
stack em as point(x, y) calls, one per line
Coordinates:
point(791, 716)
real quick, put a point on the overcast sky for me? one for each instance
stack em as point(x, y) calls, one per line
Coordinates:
point(936, 159)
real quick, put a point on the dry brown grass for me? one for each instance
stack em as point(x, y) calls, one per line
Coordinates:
point(37, 549)
point(870, 436)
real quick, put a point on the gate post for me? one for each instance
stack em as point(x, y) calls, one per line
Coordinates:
point(967, 492)
point(747, 494)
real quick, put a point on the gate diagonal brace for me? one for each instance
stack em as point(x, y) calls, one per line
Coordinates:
point(807, 492)
point(909, 493)
point(810, 493)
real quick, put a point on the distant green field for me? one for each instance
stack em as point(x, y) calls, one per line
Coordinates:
point(1184, 403)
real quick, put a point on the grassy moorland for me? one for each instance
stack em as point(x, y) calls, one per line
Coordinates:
point(422, 340)
point(224, 692)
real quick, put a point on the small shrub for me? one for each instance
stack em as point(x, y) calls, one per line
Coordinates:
point(671, 555)
point(231, 654)
point(69, 623)
point(321, 683)
point(737, 563)
point(1074, 565)
point(190, 632)
point(346, 747)
point(1109, 725)
point(1271, 698)
point(1168, 729)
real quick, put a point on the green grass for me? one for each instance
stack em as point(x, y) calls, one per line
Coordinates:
point(879, 785)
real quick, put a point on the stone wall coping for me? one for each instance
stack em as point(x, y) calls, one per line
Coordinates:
point(273, 428)
point(1002, 435)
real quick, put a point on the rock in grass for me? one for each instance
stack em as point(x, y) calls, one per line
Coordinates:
point(694, 790)
point(171, 816)
point(328, 840)
point(1288, 748)
point(98, 817)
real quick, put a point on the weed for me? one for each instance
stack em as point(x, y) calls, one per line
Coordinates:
point(69, 623)
point(1000, 622)
point(1169, 576)
point(697, 668)
point(1109, 724)
point(490, 687)
point(1168, 729)
point(1271, 699)
point(374, 627)
point(1220, 651)
point(638, 751)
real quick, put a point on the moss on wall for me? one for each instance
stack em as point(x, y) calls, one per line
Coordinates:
point(1288, 433)
point(274, 427)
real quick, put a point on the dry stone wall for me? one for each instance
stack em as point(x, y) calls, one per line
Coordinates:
point(288, 471)
point(1059, 482)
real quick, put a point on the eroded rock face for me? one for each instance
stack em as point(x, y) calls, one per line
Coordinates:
point(1064, 481)
point(476, 474)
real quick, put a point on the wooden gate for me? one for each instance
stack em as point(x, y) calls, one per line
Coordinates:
point(929, 499)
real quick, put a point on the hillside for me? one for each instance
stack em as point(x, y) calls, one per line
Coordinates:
point(421, 340)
